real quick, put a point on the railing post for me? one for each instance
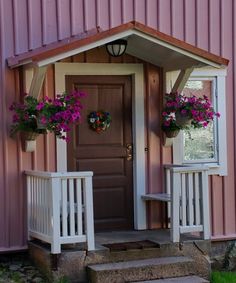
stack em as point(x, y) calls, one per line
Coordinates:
point(29, 206)
point(175, 195)
point(55, 187)
point(88, 201)
point(205, 205)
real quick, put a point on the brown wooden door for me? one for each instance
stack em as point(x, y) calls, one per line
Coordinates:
point(105, 153)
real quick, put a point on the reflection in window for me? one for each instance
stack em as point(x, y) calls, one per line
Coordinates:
point(200, 144)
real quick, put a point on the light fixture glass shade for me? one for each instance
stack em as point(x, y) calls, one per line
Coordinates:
point(116, 48)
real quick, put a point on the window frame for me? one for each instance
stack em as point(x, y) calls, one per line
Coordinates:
point(218, 167)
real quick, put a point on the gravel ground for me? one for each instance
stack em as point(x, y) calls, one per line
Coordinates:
point(17, 268)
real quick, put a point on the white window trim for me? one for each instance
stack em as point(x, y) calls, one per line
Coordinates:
point(138, 123)
point(219, 168)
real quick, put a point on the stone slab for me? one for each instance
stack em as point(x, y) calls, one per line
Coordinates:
point(146, 269)
point(139, 263)
point(186, 279)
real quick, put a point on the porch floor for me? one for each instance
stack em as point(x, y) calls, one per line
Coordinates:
point(160, 236)
point(74, 260)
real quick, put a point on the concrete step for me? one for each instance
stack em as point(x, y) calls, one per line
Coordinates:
point(186, 279)
point(137, 270)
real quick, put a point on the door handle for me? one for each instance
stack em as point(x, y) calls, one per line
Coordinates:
point(129, 151)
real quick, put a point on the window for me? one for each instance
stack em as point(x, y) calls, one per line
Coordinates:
point(205, 145)
point(200, 145)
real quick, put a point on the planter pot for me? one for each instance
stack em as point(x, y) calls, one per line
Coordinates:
point(172, 134)
point(183, 120)
point(40, 125)
point(29, 136)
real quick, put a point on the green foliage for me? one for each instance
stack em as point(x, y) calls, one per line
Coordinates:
point(62, 280)
point(223, 277)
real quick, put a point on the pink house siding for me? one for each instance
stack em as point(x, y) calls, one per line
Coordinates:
point(27, 24)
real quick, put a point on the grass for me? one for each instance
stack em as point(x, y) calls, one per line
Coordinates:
point(223, 277)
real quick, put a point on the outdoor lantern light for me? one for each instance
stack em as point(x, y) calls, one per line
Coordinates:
point(116, 48)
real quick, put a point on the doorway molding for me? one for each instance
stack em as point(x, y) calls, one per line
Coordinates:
point(138, 123)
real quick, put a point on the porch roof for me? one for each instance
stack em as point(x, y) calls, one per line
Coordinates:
point(144, 42)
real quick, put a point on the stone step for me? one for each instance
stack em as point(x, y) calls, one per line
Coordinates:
point(136, 270)
point(186, 279)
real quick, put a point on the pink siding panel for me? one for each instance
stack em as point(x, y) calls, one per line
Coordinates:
point(90, 20)
point(202, 24)
point(26, 24)
point(190, 21)
point(20, 20)
point(49, 21)
point(34, 24)
point(226, 49)
point(115, 13)
point(77, 17)
point(63, 18)
point(217, 207)
point(164, 16)
point(151, 14)
point(140, 11)
point(177, 19)
point(103, 8)
point(127, 10)
point(214, 26)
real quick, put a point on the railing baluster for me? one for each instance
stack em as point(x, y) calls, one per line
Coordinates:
point(72, 207)
point(175, 195)
point(40, 205)
point(64, 208)
point(88, 200)
point(190, 199)
point(79, 207)
point(196, 199)
point(183, 199)
point(168, 190)
point(205, 205)
point(55, 184)
point(37, 206)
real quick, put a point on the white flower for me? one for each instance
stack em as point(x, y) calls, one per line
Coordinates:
point(172, 116)
point(92, 120)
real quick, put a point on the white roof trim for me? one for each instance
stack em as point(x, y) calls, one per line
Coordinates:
point(126, 34)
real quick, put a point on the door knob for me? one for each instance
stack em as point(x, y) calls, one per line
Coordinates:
point(129, 151)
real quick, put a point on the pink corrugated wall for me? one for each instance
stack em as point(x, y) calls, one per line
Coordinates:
point(27, 24)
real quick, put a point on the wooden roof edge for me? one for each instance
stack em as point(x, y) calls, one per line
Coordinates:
point(96, 34)
point(28, 55)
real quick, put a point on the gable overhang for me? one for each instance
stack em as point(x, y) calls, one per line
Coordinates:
point(144, 43)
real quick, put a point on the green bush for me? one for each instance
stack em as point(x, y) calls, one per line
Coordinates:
point(223, 277)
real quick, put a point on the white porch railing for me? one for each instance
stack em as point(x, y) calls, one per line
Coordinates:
point(60, 208)
point(189, 200)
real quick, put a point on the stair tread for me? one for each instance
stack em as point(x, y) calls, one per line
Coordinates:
point(140, 263)
point(185, 279)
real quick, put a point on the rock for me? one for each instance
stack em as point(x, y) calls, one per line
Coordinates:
point(230, 258)
point(14, 267)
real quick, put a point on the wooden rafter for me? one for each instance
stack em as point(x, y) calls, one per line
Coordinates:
point(182, 79)
point(37, 81)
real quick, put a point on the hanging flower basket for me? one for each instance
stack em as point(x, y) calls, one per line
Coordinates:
point(172, 134)
point(99, 121)
point(47, 115)
point(40, 125)
point(29, 136)
point(182, 121)
point(181, 112)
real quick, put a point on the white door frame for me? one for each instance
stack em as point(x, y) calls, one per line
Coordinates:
point(138, 123)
